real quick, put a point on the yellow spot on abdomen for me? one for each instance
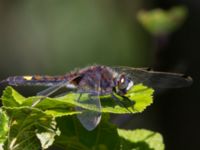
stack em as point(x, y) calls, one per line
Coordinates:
point(27, 77)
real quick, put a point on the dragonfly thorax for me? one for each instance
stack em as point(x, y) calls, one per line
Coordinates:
point(94, 79)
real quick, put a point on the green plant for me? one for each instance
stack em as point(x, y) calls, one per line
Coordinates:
point(161, 22)
point(53, 123)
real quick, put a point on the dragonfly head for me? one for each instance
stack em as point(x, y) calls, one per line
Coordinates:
point(124, 83)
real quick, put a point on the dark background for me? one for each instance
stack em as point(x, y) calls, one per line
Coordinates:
point(54, 37)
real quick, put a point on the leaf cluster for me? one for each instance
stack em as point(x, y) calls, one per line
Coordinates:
point(53, 124)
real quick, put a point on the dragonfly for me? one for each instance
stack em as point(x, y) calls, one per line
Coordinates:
point(99, 80)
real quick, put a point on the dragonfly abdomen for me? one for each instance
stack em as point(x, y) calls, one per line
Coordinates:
point(34, 80)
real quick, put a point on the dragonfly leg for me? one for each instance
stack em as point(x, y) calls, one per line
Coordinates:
point(132, 103)
point(119, 102)
point(38, 101)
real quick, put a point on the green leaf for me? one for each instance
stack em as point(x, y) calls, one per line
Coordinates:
point(75, 137)
point(162, 22)
point(12, 98)
point(3, 127)
point(140, 139)
point(25, 125)
point(51, 106)
point(35, 127)
point(139, 97)
point(142, 96)
point(47, 138)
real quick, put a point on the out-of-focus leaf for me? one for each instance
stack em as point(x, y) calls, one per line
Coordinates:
point(140, 139)
point(162, 22)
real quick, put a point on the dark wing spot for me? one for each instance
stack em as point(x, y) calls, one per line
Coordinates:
point(185, 76)
point(77, 80)
point(149, 69)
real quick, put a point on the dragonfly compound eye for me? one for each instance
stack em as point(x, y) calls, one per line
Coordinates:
point(124, 84)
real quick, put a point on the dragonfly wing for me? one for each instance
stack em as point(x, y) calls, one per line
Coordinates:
point(156, 79)
point(90, 118)
point(58, 86)
point(47, 92)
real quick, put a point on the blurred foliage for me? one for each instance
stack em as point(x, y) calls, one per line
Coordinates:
point(162, 22)
point(52, 122)
point(52, 37)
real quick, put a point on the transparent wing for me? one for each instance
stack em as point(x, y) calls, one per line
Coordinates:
point(47, 92)
point(90, 118)
point(52, 89)
point(156, 79)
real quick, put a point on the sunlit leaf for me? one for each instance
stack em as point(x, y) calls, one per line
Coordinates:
point(140, 139)
point(12, 98)
point(142, 96)
point(3, 126)
point(138, 98)
point(47, 138)
point(36, 127)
